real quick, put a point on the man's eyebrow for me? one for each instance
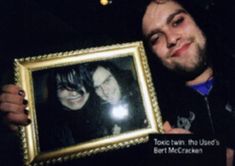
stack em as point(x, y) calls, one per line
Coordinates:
point(96, 86)
point(169, 19)
point(171, 16)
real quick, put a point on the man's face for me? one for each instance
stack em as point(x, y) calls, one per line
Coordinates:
point(174, 36)
point(106, 86)
point(72, 99)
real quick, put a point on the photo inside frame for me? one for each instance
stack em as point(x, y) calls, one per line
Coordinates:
point(71, 108)
point(88, 101)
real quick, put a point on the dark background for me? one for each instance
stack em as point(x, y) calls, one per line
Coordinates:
point(33, 27)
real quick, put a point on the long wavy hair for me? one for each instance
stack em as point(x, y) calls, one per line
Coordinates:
point(71, 78)
point(124, 77)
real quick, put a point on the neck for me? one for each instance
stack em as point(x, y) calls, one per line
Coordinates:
point(203, 77)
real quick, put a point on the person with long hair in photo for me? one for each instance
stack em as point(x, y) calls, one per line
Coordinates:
point(121, 105)
point(69, 115)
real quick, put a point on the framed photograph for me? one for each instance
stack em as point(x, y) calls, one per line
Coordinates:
point(86, 101)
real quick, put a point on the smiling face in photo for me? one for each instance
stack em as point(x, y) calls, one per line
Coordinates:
point(71, 98)
point(71, 92)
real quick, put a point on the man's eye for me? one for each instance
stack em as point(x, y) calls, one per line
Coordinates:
point(108, 80)
point(154, 39)
point(62, 87)
point(177, 22)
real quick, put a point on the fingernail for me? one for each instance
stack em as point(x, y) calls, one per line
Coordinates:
point(26, 112)
point(21, 93)
point(28, 121)
point(25, 102)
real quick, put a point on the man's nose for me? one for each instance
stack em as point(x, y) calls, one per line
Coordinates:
point(74, 93)
point(172, 38)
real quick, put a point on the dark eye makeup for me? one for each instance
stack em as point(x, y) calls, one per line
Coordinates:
point(178, 21)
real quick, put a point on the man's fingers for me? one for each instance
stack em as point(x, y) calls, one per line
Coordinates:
point(12, 108)
point(14, 89)
point(11, 98)
point(17, 119)
point(229, 157)
point(166, 126)
point(178, 131)
point(169, 130)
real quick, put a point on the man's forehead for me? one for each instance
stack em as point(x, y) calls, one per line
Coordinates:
point(161, 9)
point(158, 13)
point(100, 75)
point(160, 1)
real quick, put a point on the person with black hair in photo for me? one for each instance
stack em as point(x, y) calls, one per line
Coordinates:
point(121, 105)
point(69, 115)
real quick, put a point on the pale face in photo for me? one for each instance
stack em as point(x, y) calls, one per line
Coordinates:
point(106, 86)
point(72, 99)
point(174, 36)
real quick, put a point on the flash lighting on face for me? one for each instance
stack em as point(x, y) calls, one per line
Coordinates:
point(119, 112)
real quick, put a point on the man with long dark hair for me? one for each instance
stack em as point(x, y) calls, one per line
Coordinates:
point(121, 107)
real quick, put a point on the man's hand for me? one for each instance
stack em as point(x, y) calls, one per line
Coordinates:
point(13, 106)
point(169, 130)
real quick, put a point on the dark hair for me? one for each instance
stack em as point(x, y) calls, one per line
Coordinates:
point(203, 14)
point(123, 77)
point(71, 78)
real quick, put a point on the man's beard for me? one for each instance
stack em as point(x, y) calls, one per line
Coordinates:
point(189, 74)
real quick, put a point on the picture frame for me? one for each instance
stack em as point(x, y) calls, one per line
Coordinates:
point(34, 73)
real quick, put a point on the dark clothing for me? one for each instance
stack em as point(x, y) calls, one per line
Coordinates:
point(129, 113)
point(134, 118)
point(61, 128)
point(9, 147)
point(212, 114)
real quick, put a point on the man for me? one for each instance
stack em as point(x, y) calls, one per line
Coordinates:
point(201, 104)
point(181, 46)
point(106, 86)
point(177, 41)
point(121, 108)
